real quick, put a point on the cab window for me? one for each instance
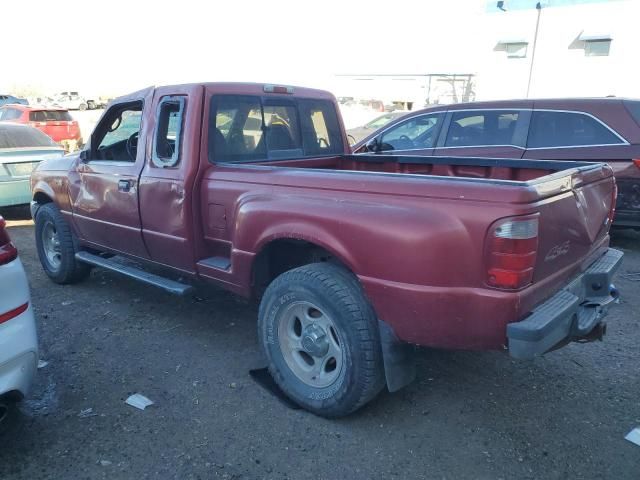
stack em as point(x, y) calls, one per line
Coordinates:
point(168, 134)
point(116, 136)
point(246, 128)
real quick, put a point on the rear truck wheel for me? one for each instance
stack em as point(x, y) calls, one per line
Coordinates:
point(82, 106)
point(57, 248)
point(321, 339)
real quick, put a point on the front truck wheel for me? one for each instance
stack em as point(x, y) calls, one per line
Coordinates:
point(56, 247)
point(321, 339)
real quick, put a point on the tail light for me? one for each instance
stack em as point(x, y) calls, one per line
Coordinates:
point(512, 248)
point(8, 251)
point(5, 317)
point(636, 162)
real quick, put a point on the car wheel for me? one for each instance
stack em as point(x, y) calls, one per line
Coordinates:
point(82, 106)
point(321, 339)
point(9, 417)
point(56, 247)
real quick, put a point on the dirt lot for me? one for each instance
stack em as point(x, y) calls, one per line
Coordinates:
point(469, 415)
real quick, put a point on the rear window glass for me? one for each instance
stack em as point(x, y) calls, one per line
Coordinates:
point(50, 116)
point(245, 128)
point(20, 137)
point(478, 128)
point(567, 129)
point(9, 113)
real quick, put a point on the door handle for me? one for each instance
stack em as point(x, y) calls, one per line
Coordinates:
point(124, 185)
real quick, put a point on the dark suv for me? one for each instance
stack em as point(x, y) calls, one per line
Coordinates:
point(599, 129)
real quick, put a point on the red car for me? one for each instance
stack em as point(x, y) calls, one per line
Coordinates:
point(57, 123)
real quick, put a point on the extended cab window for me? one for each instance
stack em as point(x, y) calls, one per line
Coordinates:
point(415, 133)
point(167, 138)
point(567, 129)
point(116, 136)
point(480, 128)
point(245, 128)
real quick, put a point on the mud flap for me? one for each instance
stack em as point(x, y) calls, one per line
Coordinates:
point(398, 357)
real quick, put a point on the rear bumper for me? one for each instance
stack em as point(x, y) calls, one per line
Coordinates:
point(18, 338)
point(571, 314)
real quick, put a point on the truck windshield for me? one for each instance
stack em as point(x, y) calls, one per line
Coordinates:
point(249, 128)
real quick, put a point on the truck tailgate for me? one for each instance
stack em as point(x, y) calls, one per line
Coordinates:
point(574, 222)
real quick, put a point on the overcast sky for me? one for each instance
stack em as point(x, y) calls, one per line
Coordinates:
point(115, 46)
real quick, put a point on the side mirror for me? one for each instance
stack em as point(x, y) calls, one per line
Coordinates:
point(373, 145)
point(84, 155)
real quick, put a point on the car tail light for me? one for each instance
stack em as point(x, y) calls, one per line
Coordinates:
point(512, 248)
point(4, 317)
point(636, 162)
point(8, 251)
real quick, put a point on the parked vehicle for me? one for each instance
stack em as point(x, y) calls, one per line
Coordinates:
point(10, 99)
point(358, 133)
point(597, 129)
point(57, 123)
point(70, 101)
point(21, 149)
point(18, 341)
point(354, 257)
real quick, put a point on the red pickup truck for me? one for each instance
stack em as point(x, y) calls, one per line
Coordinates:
point(354, 259)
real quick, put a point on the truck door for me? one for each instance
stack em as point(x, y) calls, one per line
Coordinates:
point(105, 188)
point(166, 184)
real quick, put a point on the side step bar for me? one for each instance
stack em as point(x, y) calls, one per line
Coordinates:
point(166, 284)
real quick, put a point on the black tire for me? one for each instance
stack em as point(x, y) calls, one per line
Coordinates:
point(67, 269)
point(10, 418)
point(336, 293)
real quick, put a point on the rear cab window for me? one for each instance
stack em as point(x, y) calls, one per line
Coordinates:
point(551, 129)
point(246, 128)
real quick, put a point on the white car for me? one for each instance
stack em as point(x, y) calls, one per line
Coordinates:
point(70, 101)
point(18, 340)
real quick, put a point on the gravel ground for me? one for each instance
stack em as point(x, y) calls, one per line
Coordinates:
point(475, 415)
